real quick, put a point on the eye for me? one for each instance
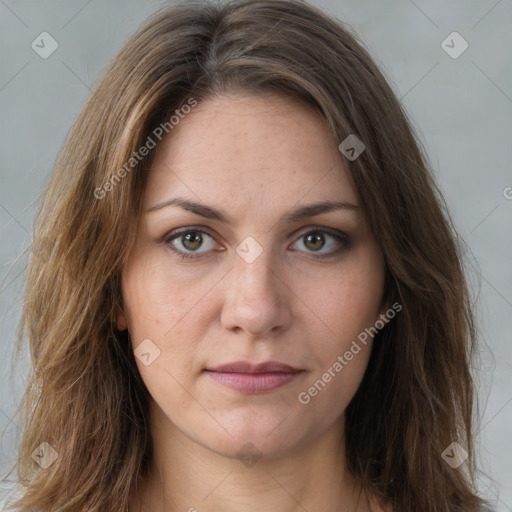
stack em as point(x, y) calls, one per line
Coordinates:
point(190, 240)
point(317, 239)
point(194, 243)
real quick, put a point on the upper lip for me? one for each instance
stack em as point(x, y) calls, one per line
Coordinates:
point(248, 367)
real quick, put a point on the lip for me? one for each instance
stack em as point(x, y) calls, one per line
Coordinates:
point(246, 377)
point(248, 367)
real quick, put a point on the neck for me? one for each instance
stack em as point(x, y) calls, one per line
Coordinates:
point(188, 476)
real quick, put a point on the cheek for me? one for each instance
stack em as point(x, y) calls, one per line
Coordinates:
point(341, 358)
point(158, 322)
point(349, 306)
point(155, 301)
point(162, 317)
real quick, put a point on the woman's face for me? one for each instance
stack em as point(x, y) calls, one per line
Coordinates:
point(272, 280)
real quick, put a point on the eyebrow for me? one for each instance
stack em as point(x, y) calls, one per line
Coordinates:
point(209, 212)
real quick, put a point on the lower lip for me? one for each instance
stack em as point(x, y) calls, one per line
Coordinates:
point(254, 382)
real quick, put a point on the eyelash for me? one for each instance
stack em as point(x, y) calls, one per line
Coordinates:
point(168, 238)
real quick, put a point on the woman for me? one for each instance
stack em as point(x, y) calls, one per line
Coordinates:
point(246, 293)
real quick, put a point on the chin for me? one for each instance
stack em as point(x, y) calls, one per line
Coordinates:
point(252, 436)
point(250, 450)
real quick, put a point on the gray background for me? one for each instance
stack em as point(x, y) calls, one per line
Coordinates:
point(461, 108)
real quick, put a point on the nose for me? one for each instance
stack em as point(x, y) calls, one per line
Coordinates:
point(257, 299)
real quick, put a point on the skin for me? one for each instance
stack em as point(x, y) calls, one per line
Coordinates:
point(256, 157)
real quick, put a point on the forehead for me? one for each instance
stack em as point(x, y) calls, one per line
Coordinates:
point(249, 150)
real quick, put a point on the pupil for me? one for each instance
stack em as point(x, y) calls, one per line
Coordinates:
point(318, 238)
point(189, 240)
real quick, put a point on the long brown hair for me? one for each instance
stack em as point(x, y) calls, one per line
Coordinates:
point(86, 398)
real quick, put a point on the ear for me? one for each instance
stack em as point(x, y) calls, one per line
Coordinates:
point(390, 311)
point(385, 307)
point(121, 321)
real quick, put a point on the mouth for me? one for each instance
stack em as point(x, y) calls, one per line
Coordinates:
point(246, 377)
